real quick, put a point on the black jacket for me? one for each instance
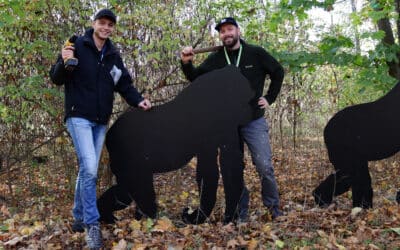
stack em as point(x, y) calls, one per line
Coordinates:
point(255, 63)
point(89, 88)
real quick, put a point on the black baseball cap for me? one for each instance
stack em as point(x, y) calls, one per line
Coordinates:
point(106, 13)
point(226, 20)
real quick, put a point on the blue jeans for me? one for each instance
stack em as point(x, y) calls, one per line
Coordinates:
point(255, 135)
point(88, 138)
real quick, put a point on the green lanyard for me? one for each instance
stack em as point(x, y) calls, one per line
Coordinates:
point(238, 59)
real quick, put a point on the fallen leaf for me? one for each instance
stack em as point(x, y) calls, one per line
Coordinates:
point(279, 244)
point(232, 244)
point(253, 243)
point(4, 228)
point(14, 241)
point(322, 234)
point(4, 211)
point(372, 246)
point(139, 247)
point(135, 225)
point(184, 195)
point(396, 230)
point(163, 224)
point(355, 211)
point(230, 227)
point(266, 229)
point(122, 245)
point(148, 224)
point(38, 226)
point(26, 230)
point(339, 246)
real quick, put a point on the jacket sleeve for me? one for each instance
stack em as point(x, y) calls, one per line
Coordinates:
point(58, 74)
point(126, 89)
point(191, 72)
point(276, 73)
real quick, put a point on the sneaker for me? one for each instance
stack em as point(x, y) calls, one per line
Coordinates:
point(78, 226)
point(93, 237)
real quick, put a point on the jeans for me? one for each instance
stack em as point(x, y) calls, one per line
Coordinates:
point(255, 135)
point(88, 138)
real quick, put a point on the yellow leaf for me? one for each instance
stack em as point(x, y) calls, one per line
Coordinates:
point(139, 247)
point(135, 225)
point(38, 226)
point(26, 231)
point(253, 243)
point(266, 229)
point(184, 195)
point(53, 246)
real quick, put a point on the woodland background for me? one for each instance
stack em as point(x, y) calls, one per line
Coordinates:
point(335, 54)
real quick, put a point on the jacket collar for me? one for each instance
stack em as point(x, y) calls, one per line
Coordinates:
point(88, 40)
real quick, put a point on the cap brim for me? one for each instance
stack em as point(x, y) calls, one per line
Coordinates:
point(111, 18)
point(218, 27)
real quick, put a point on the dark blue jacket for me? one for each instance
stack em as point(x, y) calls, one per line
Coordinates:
point(89, 88)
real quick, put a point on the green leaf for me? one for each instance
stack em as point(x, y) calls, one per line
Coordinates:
point(149, 224)
point(4, 228)
point(279, 244)
point(396, 230)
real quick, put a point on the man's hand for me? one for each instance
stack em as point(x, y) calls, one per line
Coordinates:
point(67, 52)
point(187, 54)
point(263, 103)
point(145, 104)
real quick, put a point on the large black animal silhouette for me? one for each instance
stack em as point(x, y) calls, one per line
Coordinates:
point(202, 119)
point(354, 136)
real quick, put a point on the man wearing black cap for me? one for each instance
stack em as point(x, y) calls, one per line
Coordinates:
point(255, 63)
point(89, 94)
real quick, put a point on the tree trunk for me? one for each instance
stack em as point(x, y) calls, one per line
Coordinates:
point(356, 32)
point(397, 4)
point(388, 40)
point(294, 109)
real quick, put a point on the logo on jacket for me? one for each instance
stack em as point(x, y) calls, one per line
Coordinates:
point(115, 74)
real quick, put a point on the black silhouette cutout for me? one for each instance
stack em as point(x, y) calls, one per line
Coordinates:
point(354, 136)
point(203, 118)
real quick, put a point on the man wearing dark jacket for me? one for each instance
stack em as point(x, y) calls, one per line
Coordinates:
point(255, 63)
point(89, 95)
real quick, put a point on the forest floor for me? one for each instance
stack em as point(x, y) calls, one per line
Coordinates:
point(39, 215)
